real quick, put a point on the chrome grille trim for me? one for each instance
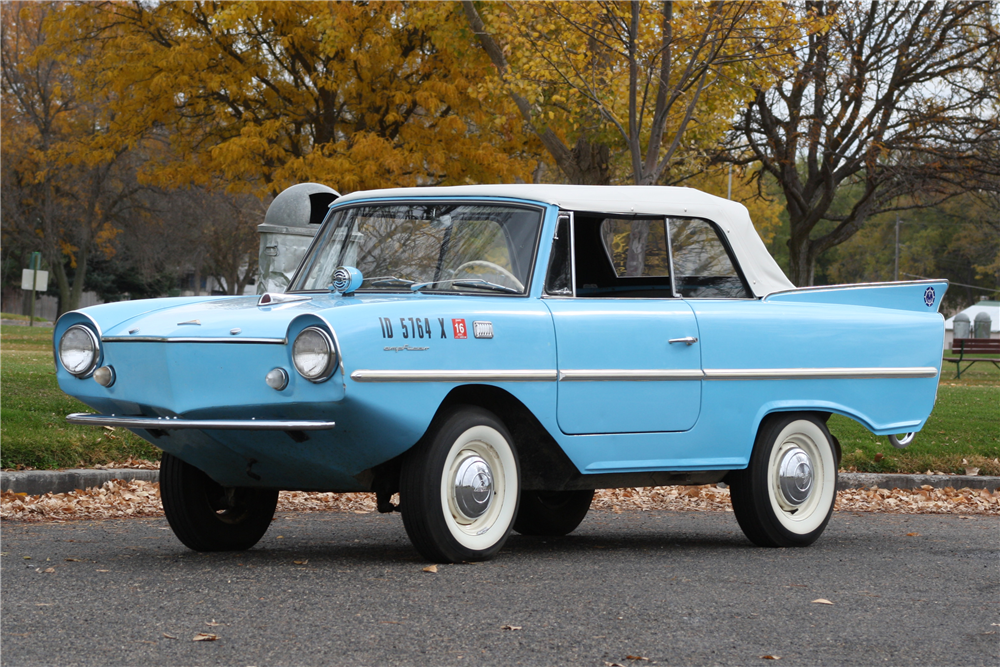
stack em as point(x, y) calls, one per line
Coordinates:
point(164, 339)
point(176, 423)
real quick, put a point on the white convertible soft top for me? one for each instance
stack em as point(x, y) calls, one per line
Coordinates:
point(758, 266)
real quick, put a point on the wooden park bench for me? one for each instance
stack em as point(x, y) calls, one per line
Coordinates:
point(965, 346)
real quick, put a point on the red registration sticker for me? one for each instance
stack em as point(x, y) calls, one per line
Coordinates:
point(459, 327)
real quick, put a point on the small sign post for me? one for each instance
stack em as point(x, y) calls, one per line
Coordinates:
point(33, 279)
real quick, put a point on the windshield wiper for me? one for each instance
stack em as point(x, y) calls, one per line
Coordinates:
point(383, 281)
point(475, 283)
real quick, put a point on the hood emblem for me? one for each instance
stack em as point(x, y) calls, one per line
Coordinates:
point(194, 322)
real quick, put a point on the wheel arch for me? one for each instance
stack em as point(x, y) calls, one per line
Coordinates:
point(542, 461)
point(822, 412)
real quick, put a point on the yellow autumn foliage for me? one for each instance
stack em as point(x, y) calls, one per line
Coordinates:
point(658, 82)
point(268, 94)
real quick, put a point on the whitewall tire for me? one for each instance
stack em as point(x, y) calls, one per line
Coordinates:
point(785, 497)
point(459, 487)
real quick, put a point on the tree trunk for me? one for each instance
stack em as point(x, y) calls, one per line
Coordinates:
point(78, 279)
point(59, 271)
point(801, 261)
point(635, 260)
point(590, 164)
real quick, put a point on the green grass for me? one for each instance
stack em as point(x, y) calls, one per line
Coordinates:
point(33, 429)
point(963, 431)
point(22, 318)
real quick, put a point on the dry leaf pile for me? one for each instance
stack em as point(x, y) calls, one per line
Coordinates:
point(707, 498)
point(131, 463)
point(925, 500)
point(118, 499)
point(115, 499)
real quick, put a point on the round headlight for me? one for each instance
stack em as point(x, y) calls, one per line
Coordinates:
point(79, 350)
point(313, 354)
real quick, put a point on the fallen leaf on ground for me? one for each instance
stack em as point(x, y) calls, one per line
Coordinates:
point(510, 627)
point(636, 657)
point(212, 624)
point(300, 562)
point(168, 636)
point(770, 657)
point(120, 499)
point(913, 534)
point(972, 471)
point(73, 560)
point(613, 664)
point(50, 570)
point(821, 601)
point(431, 568)
point(204, 637)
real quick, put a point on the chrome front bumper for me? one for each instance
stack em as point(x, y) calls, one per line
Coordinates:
point(175, 423)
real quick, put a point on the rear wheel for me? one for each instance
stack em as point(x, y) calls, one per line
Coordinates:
point(785, 497)
point(552, 513)
point(902, 440)
point(458, 488)
point(206, 516)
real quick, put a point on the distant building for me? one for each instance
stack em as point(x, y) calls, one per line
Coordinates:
point(991, 308)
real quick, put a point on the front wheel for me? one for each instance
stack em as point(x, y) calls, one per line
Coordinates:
point(785, 497)
point(458, 488)
point(206, 516)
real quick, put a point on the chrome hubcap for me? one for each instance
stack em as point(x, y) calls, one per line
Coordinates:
point(795, 476)
point(473, 487)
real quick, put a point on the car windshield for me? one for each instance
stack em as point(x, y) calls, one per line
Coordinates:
point(447, 247)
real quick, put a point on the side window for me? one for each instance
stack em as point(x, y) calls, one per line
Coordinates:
point(621, 257)
point(559, 281)
point(702, 267)
point(637, 248)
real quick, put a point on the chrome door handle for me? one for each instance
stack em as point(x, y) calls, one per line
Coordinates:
point(690, 340)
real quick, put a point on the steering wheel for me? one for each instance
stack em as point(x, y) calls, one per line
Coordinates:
point(478, 265)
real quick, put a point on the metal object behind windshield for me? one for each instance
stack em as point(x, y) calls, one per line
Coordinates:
point(440, 246)
point(473, 283)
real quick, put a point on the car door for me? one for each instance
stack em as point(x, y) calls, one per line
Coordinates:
point(627, 348)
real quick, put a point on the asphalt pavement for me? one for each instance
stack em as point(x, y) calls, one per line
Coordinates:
point(677, 588)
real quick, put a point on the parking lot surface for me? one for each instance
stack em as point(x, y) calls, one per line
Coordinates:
point(336, 588)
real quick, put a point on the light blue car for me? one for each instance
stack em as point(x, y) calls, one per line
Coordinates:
point(496, 353)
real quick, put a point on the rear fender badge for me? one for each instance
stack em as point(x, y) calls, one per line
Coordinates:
point(482, 329)
point(929, 297)
point(194, 322)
